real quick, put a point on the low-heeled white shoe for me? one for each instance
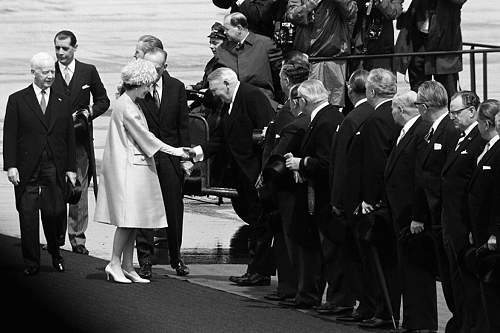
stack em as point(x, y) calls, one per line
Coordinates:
point(134, 277)
point(112, 276)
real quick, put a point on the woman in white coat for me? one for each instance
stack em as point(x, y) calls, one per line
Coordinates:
point(129, 190)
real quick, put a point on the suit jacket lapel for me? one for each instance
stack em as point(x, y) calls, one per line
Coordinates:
point(398, 149)
point(234, 110)
point(310, 128)
point(75, 81)
point(485, 160)
point(437, 135)
point(32, 102)
point(463, 146)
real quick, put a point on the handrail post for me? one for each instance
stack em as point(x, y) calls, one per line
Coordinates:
point(472, 70)
point(485, 76)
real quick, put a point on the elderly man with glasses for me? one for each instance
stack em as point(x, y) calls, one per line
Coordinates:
point(456, 174)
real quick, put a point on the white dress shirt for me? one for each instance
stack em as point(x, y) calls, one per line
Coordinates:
point(406, 128)
point(38, 93)
point(71, 69)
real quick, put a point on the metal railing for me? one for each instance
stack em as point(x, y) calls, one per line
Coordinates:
point(485, 50)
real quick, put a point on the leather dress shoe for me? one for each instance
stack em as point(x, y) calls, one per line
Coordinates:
point(145, 271)
point(275, 296)
point(354, 317)
point(377, 323)
point(30, 271)
point(408, 330)
point(235, 279)
point(295, 305)
point(255, 279)
point(181, 269)
point(58, 264)
point(80, 249)
point(332, 309)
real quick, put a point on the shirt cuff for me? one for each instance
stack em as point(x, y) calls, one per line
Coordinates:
point(199, 154)
point(239, 2)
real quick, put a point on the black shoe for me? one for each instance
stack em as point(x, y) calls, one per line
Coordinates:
point(332, 309)
point(145, 271)
point(354, 317)
point(80, 249)
point(295, 305)
point(181, 269)
point(235, 279)
point(255, 279)
point(275, 296)
point(58, 264)
point(377, 323)
point(30, 271)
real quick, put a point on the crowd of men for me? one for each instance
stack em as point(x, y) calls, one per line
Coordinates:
point(370, 203)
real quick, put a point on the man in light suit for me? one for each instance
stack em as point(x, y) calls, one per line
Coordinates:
point(167, 116)
point(417, 282)
point(77, 81)
point(39, 152)
point(432, 103)
point(456, 175)
point(246, 109)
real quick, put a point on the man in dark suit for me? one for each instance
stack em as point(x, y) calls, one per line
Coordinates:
point(311, 164)
point(432, 102)
point(246, 109)
point(456, 175)
point(285, 126)
point(432, 25)
point(77, 81)
point(375, 141)
point(167, 116)
point(260, 13)
point(39, 152)
point(345, 172)
point(418, 283)
point(483, 195)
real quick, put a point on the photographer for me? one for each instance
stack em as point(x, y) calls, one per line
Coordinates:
point(77, 81)
point(324, 29)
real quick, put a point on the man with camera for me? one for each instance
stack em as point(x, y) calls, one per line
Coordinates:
point(77, 81)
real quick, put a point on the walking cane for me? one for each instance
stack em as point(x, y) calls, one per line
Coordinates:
point(383, 283)
point(92, 164)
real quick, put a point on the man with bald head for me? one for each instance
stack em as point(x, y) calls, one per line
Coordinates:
point(39, 153)
point(418, 284)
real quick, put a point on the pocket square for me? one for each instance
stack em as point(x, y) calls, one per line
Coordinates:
point(358, 133)
point(437, 146)
point(463, 152)
point(85, 86)
point(277, 136)
point(486, 167)
point(60, 100)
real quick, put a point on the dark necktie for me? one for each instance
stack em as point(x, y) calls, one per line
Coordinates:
point(429, 135)
point(156, 96)
point(43, 102)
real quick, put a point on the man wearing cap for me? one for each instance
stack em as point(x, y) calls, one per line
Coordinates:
point(216, 38)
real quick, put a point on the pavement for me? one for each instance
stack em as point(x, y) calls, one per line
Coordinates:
point(205, 251)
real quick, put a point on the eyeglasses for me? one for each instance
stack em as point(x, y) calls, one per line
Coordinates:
point(456, 112)
point(417, 104)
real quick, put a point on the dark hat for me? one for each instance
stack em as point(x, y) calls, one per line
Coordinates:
point(217, 31)
point(275, 170)
point(72, 193)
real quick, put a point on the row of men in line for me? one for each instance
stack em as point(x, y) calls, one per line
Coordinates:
point(39, 150)
point(326, 29)
point(367, 201)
